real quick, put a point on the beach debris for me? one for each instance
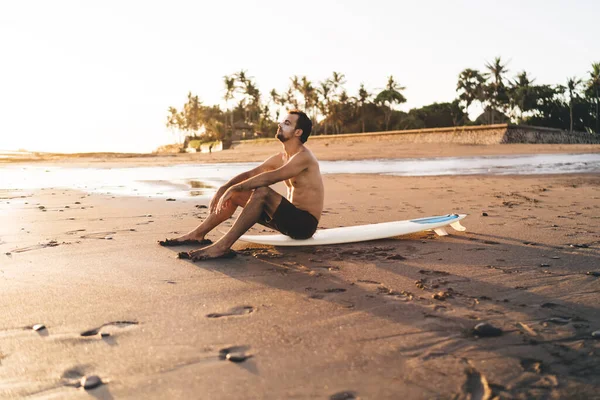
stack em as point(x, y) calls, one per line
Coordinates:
point(236, 357)
point(596, 334)
point(234, 354)
point(526, 328)
point(334, 290)
point(485, 329)
point(42, 207)
point(484, 214)
point(90, 382)
point(369, 281)
point(593, 273)
point(38, 327)
point(201, 206)
point(544, 265)
point(532, 365)
point(559, 320)
point(579, 245)
point(343, 396)
point(171, 199)
point(441, 296)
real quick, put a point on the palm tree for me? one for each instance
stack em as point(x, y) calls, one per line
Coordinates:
point(521, 94)
point(241, 76)
point(307, 91)
point(276, 99)
point(290, 98)
point(338, 111)
point(337, 81)
point(389, 96)
point(253, 95)
point(175, 122)
point(324, 90)
point(572, 86)
point(230, 89)
point(470, 87)
point(361, 101)
point(594, 90)
point(192, 111)
point(496, 90)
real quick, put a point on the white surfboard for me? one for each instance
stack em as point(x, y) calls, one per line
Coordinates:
point(361, 233)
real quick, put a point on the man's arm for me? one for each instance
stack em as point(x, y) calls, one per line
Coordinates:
point(292, 168)
point(269, 164)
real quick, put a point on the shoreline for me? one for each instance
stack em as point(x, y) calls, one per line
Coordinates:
point(387, 147)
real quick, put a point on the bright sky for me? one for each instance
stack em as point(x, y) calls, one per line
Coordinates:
point(80, 76)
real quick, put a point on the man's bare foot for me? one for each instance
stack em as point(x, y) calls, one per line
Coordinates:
point(211, 253)
point(185, 240)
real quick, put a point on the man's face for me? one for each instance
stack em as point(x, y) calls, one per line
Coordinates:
point(287, 128)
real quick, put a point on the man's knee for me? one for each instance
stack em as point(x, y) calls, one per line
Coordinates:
point(260, 194)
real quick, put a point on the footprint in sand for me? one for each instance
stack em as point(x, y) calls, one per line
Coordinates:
point(344, 396)
point(532, 365)
point(323, 294)
point(476, 385)
point(118, 324)
point(433, 272)
point(235, 311)
point(235, 353)
point(75, 231)
point(51, 243)
point(105, 235)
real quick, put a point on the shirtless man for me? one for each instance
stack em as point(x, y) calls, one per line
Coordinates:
point(297, 216)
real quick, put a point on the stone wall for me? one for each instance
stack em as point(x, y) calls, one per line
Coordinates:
point(476, 135)
point(535, 134)
point(481, 134)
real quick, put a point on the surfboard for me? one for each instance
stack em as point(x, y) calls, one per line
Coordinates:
point(361, 233)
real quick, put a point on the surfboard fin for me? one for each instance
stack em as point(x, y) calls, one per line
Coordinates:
point(457, 226)
point(440, 231)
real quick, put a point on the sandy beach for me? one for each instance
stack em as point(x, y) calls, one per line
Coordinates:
point(387, 319)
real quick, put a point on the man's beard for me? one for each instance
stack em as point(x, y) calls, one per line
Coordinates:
point(281, 138)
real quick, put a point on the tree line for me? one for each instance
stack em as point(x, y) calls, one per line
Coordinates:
point(573, 106)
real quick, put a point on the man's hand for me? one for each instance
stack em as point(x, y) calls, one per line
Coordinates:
point(225, 198)
point(215, 200)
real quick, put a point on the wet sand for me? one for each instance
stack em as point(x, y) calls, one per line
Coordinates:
point(376, 320)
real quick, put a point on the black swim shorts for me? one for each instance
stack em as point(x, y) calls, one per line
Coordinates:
point(291, 221)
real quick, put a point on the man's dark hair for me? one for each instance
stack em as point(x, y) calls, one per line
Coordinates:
point(303, 123)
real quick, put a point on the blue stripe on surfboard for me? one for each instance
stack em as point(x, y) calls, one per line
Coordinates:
point(435, 220)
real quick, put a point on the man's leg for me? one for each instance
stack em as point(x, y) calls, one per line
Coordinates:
point(262, 199)
point(213, 220)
